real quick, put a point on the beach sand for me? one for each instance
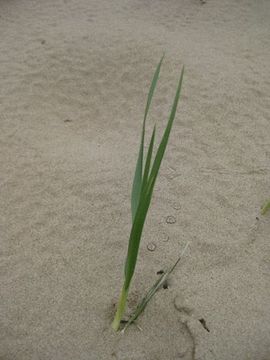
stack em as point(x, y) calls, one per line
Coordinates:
point(74, 79)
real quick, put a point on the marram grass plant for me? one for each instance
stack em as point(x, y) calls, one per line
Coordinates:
point(142, 190)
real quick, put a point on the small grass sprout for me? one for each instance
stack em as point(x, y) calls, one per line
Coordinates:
point(265, 208)
point(151, 292)
point(146, 173)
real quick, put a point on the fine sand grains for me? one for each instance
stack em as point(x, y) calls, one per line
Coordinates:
point(74, 78)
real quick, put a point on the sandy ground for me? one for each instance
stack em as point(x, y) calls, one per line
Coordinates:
point(74, 77)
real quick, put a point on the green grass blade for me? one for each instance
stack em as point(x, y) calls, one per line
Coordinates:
point(137, 182)
point(148, 159)
point(165, 138)
point(265, 208)
point(152, 88)
point(135, 237)
point(146, 195)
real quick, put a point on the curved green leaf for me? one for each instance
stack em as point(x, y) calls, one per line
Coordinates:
point(137, 182)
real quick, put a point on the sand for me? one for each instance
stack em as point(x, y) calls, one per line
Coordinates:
point(74, 77)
